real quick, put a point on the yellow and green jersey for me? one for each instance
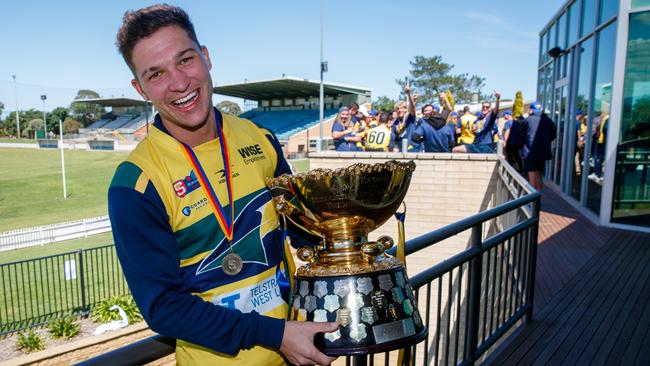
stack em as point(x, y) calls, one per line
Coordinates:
point(378, 138)
point(171, 246)
point(466, 124)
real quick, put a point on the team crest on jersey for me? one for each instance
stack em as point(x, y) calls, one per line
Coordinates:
point(186, 185)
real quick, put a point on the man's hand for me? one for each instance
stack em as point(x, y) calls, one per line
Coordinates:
point(298, 342)
point(497, 94)
point(407, 88)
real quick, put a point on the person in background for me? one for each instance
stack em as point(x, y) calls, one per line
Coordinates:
point(465, 127)
point(405, 123)
point(484, 137)
point(513, 141)
point(581, 140)
point(353, 108)
point(539, 134)
point(600, 125)
point(433, 132)
point(343, 132)
point(378, 138)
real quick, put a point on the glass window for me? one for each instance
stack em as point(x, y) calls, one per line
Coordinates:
point(552, 36)
point(640, 3)
point(541, 48)
point(601, 105)
point(561, 35)
point(579, 120)
point(574, 22)
point(540, 86)
point(608, 8)
point(588, 17)
point(631, 200)
point(549, 87)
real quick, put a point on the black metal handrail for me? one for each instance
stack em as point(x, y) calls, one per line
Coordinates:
point(488, 287)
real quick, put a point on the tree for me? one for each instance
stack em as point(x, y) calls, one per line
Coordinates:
point(229, 107)
point(384, 104)
point(430, 75)
point(33, 125)
point(2, 108)
point(53, 118)
point(71, 125)
point(86, 113)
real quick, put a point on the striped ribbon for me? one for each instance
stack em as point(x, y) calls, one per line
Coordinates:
point(227, 226)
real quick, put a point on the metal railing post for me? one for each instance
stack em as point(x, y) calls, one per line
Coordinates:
point(474, 307)
point(82, 280)
point(533, 261)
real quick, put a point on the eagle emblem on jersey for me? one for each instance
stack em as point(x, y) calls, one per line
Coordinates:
point(253, 225)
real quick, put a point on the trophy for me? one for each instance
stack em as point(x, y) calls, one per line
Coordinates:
point(348, 279)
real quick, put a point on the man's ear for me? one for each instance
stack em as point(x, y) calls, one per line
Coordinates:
point(206, 54)
point(136, 85)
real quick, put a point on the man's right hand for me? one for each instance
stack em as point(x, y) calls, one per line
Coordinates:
point(298, 342)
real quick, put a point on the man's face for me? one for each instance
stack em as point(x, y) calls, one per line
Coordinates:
point(401, 110)
point(353, 111)
point(485, 108)
point(173, 72)
point(427, 111)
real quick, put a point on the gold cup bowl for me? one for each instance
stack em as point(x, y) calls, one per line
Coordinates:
point(347, 278)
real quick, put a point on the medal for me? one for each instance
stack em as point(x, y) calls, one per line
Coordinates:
point(232, 263)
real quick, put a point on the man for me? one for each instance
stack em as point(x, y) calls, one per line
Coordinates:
point(483, 136)
point(465, 127)
point(433, 132)
point(513, 140)
point(581, 140)
point(378, 138)
point(343, 132)
point(599, 131)
point(405, 123)
point(194, 225)
point(540, 133)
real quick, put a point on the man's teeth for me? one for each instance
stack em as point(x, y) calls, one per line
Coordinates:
point(187, 99)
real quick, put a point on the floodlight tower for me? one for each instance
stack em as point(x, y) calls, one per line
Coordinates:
point(323, 69)
point(43, 98)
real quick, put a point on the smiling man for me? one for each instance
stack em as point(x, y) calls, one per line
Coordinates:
point(194, 225)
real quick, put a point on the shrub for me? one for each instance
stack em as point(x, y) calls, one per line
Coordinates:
point(30, 342)
point(101, 312)
point(64, 328)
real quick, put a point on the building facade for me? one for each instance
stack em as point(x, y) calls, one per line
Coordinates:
point(594, 81)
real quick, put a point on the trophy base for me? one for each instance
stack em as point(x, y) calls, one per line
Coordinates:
point(376, 311)
point(377, 348)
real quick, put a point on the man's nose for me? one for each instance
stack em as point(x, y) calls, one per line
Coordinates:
point(180, 81)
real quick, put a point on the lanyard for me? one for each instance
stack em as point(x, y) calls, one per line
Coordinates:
point(227, 226)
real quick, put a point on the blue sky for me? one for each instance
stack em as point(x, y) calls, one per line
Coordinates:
point(58, 47)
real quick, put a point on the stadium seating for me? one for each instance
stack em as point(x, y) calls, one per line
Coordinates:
point(287, 122)
point(99, 124)
point(119, 122)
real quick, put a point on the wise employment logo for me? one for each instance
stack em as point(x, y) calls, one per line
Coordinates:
point(186, 185)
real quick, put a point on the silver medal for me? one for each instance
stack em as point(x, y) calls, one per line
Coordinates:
point(232, 264)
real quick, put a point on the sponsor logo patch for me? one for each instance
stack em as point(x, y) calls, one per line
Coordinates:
point(251, 154)
point(187, 185)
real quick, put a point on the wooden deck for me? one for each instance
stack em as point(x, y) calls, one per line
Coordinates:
point(592, 295)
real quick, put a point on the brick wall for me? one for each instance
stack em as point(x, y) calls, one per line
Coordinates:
point(444, 189)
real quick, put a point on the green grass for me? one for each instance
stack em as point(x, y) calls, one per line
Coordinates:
point(301, 165)
point(36, 292)
point(32, 192)
point(56, 248)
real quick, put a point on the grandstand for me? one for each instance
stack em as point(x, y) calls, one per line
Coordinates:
point(289, 107)
point(128, 117)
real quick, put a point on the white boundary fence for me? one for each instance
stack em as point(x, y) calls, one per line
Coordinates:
point(47, 234)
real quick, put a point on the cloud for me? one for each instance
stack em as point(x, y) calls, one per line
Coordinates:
point(488, 18)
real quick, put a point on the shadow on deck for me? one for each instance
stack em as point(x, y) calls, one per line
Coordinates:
point(592, 295)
